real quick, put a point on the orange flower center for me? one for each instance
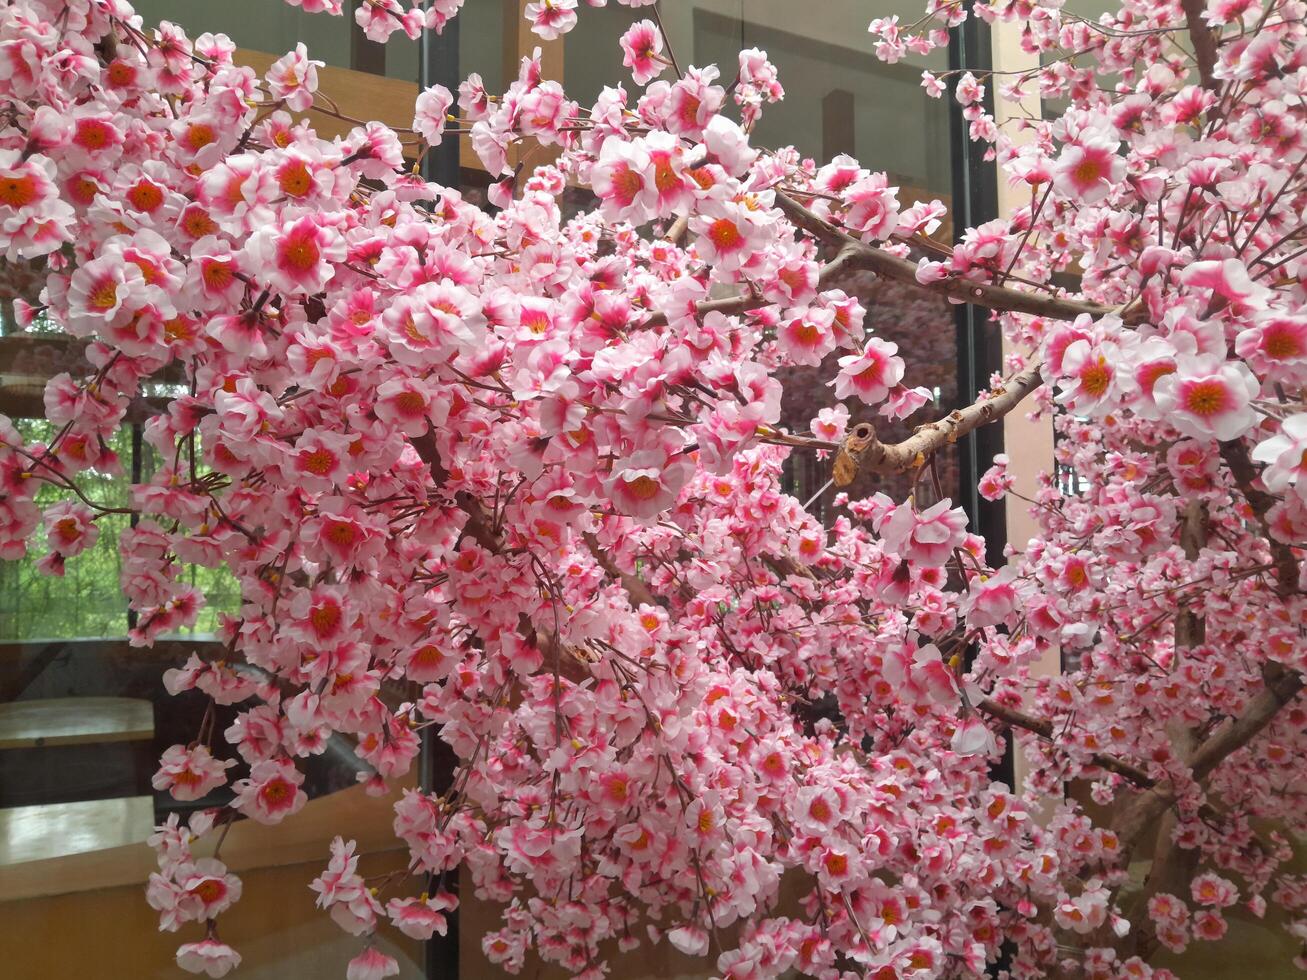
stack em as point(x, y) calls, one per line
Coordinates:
point(628, 184)
point(145, 196)
point(325, 618)
point(642, 487)
point(1095, 379)
point(294, 179)
point(1207, 398)
point(18, 192)
point(1281, 344)
point(724, 234)
point(104, 296)
point(300, 252)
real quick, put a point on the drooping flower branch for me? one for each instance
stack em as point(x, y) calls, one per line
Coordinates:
point(517, 481)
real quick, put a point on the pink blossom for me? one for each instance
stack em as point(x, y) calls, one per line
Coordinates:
point(420, 918)
point(871, 374)
point(293, 79)
point(996, 481)
point(550, 19)
point(1087, 170)
point(645, 484)
point(296, 258)
point(973, 737)
point(431, 108)
point(189, 774)
point(642, 44)
point(372, 964)
point(925, 537)
point(1208, 399)
point(271, 793)
point(209, 956)
point(1286, 456)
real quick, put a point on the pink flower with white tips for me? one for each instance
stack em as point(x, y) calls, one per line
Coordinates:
point(1276, 348)
point(646, 483)
point(551, 19)
point(420, 918)
point(996, 482)
point(871, 374)
point(728, 238)
point(431, 110)
point(973, 737)
point(1286, 457)
point(925, 537)
point(808, 337)
point(1208, 399)
point(70, 528)
point(1087, 170)
point(209, 956)
point(293, 78)
point(642, 45)
point(624, 182)
point(189, 774)
point(830, 423)
point(1088, 383)
point(297, 257)
point(372, 963)
point(271, 793)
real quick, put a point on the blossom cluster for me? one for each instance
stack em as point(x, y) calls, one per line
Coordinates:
point(515, 480)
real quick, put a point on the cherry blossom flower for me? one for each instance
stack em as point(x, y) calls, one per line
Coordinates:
point(1087, 170)
point(293, 79)
point(271, 793)
point(1286, 456)
point(209, 956)
point(927, 537)
point(1208, 399)
point(432, 107)
point(642, 45)
point(645, 484)
point(372, 964)
point(550, 19)
point(871, 374)
point(189, 774)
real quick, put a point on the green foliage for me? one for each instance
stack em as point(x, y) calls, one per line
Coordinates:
point(88, 600)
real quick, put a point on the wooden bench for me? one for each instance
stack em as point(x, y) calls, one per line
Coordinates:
point(37, 833)
point(75, 721)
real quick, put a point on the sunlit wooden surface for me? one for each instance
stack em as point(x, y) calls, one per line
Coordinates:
point(35, 833)
point(74, 721)
point(369, 820)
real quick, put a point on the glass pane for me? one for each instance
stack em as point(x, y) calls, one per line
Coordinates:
point(257, 25)
point(838, 99)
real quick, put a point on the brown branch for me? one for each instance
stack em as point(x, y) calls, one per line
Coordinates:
point(635, 587)
point(1235, 454)
point(1044, 729)
point(1203, 38)
point(1282, 686)
point(887, 266)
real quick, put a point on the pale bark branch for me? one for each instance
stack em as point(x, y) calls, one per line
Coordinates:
point(896, 457)
point(887, 266)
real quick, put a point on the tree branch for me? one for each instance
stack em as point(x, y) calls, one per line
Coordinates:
point(1044, 729)
point(635, 587)
point(887, 266)
point(1203, 38)
point(880, 458)
point(1235, 454)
